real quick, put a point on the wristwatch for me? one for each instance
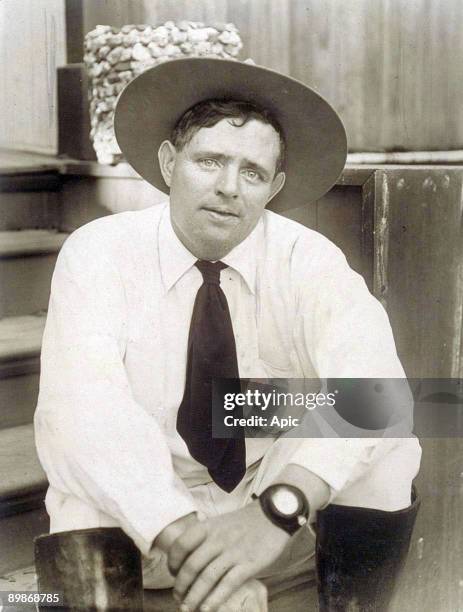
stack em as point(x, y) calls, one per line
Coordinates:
point(286, 506)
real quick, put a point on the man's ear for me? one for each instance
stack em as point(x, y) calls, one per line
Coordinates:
point(166, 156)
point(277, 185)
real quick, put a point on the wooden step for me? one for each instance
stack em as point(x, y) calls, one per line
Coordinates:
point(17, 533)
point(296, 594)
point(18, 399)
point(29, 210)
point(20, 342)
point(23, 480)
point(30, 242)
point(27, 260)
point(23, 485)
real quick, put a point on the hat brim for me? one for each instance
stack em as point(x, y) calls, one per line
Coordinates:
point(151, 104)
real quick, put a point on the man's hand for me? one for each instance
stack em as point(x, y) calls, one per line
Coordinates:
point(215, 558)
point(170, 533)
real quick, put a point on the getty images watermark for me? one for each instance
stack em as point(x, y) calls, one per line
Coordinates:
point(341, 407)
point(269, 402)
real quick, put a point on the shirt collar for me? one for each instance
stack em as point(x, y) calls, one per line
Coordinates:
point(175, 259)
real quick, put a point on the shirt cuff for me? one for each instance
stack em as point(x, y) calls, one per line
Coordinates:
point(144, 520)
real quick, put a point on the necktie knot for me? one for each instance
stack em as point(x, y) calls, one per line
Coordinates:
point(210, 271)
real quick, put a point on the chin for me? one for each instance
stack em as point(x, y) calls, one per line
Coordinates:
point(213, 250)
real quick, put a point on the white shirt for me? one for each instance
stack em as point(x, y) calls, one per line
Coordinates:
point(114, 356)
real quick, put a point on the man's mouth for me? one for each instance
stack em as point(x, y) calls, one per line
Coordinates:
point(222, 213)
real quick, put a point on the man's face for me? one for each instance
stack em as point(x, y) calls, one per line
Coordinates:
point(220, 184)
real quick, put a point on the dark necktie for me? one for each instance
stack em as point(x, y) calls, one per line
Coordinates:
point(211, 355)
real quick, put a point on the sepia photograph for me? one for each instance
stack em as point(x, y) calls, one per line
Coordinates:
point(231, 305)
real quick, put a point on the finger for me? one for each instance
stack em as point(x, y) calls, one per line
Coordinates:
point(206, 582)
point(193, 565)
point(250, 597)
point(184, 545)
point(228, 584)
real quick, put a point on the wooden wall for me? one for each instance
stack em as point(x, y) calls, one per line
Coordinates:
point(392, 68)
point(32, 45)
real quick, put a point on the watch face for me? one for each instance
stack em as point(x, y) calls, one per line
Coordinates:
point(285, 501)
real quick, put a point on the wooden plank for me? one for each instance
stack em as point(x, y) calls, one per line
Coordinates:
point(265, 27)
point(17, 535)
point(74, 31)
point(30, 242)
point(339, 218)
point(410, 157)
point(381, 237)
point(74, 114)
point(20, 162)
point(154, 12)
point(18, 399)
point(21, 472)
point(20, 337)
point(85, 199)
point(306, 214)
point(401, 61)
point(87, 168)
point(38, 181)
point(432, 576)
point(37, 209)
point(28, 280)
point(32, 35)
point(420, 275)
point(367, 238)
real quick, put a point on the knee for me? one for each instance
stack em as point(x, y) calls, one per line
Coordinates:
point(411, 456)
point(69, 513)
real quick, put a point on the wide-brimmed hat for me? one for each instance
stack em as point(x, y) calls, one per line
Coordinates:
point(151, 104)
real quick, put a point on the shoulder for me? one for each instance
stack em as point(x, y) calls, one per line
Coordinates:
point(114, 234)
point(305, 249)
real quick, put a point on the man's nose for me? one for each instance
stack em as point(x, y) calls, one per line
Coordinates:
point(228, 183)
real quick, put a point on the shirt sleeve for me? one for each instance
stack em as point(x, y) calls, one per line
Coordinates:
point(94, 440)
point(343, 332)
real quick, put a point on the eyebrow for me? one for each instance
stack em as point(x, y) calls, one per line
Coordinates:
point(221, 157)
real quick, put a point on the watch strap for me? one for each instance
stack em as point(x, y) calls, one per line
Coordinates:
point(290, 524)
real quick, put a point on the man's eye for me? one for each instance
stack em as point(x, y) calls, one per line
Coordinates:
point(252, 175)
point(208, 163)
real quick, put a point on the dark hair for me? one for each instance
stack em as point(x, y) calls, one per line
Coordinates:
point(209, 112)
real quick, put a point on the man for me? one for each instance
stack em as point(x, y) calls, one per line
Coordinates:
point(145, 306)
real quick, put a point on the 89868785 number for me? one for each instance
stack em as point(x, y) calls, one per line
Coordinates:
point(31, 597)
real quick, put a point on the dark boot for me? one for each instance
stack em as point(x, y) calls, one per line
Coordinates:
point(360, 553)
point(92, 568)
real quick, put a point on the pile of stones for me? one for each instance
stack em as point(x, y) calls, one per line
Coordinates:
point(114, 56)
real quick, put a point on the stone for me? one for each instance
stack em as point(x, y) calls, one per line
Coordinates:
point(155, 50)
point(161, 36)
point(140, 52)
point(114, 56)
point(195, 36)
point(203, 48)
point(178, 36)
point(186, 47)
point(115, 40)
point(122, 66)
